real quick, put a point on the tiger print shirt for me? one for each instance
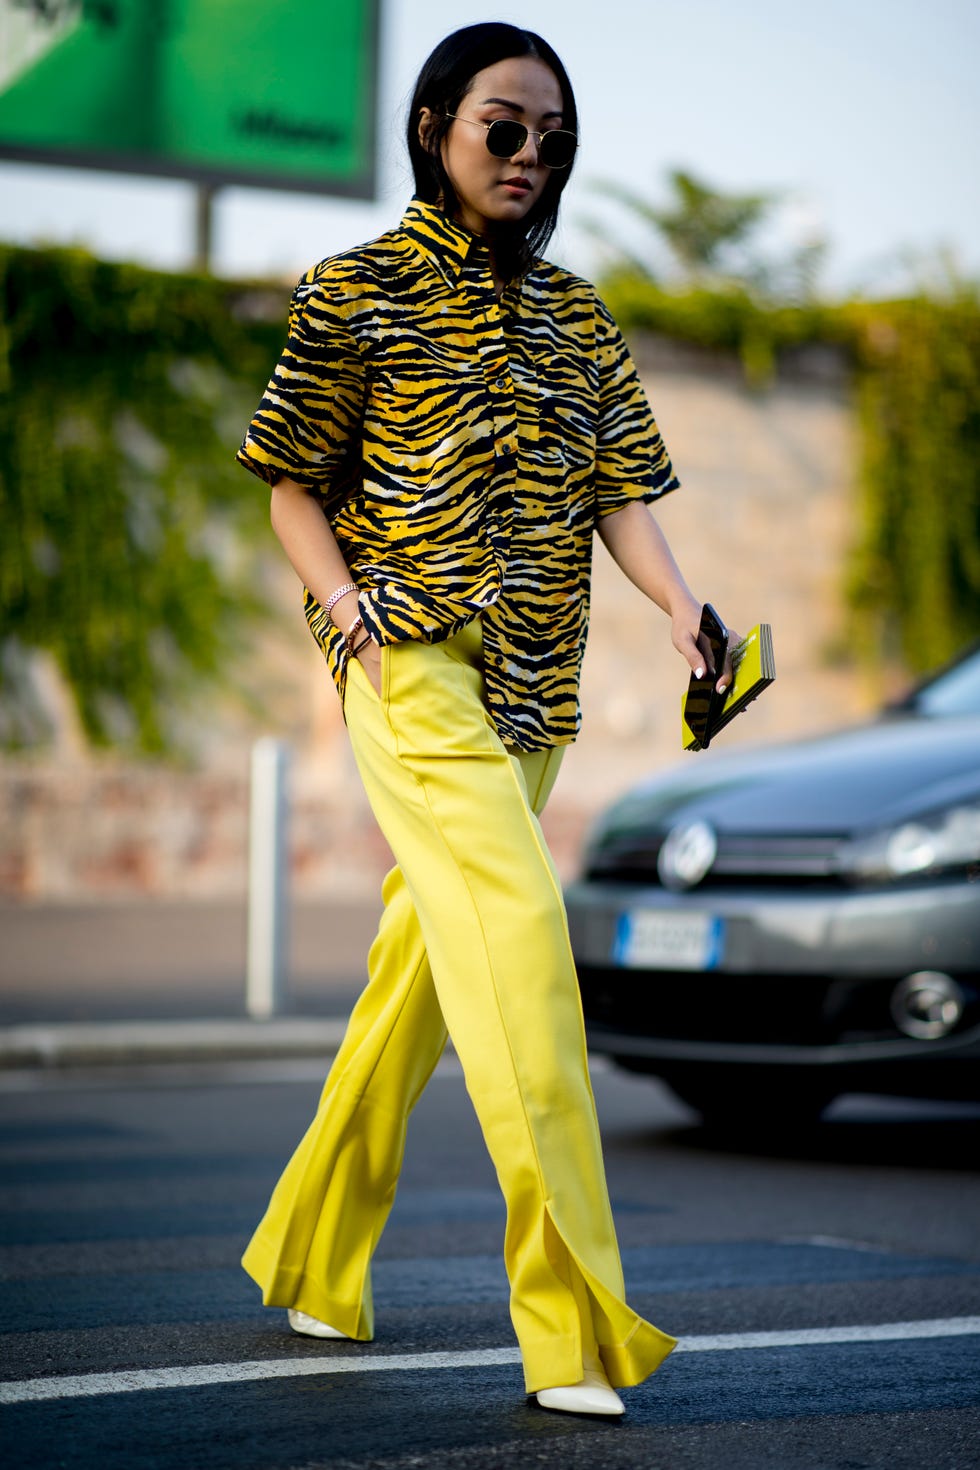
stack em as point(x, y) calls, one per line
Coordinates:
point(462, 448)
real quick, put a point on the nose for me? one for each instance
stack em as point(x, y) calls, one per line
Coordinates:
point(529, 153)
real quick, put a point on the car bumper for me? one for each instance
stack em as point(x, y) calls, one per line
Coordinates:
point(793, 980)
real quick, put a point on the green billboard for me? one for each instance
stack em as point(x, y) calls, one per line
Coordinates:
point(278, 93)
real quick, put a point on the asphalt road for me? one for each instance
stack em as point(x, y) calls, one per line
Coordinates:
point(125, 1201)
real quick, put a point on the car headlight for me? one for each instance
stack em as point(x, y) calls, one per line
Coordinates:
point(941, 842)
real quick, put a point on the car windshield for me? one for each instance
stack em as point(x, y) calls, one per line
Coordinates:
point(954, 692)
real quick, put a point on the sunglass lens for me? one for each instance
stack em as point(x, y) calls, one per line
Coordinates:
point(557, 148)
point(505, 138)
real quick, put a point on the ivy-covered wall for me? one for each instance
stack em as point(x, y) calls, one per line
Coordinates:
point(915, 577)
point(128, 531)
point(129, 536)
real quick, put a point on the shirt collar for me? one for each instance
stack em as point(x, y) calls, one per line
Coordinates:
point(437, 238)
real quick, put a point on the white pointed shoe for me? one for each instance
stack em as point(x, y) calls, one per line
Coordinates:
point(591, 1395)
point(309, 1326)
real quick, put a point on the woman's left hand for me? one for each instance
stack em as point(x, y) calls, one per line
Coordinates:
point(369, 657)
point(684, 628)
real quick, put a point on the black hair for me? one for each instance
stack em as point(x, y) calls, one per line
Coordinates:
point(442, 84)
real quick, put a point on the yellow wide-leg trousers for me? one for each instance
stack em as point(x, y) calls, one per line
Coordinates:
point(473, 941)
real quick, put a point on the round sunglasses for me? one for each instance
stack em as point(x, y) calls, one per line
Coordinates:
point(505, 138)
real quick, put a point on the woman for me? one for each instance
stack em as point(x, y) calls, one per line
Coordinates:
point(451, 420)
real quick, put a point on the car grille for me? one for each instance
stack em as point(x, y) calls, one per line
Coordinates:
point(704, 1008)
point(801, 859)
point(773, 1010)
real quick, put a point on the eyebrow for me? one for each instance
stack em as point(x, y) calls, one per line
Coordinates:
point(515, 106)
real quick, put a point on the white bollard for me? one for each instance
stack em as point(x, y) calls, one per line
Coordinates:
point(268, 880)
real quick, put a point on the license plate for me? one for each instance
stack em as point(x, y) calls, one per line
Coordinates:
point(647, 939)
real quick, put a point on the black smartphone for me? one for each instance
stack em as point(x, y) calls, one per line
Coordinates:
point(703, 703)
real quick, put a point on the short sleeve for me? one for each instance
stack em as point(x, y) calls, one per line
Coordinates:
point(632, 462)
point(308, 421)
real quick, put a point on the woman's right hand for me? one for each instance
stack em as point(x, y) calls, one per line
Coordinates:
point(369, 658)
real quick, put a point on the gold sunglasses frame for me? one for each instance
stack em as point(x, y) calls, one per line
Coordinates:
point(528, 133)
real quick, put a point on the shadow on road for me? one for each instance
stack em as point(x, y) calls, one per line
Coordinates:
point(945, 1139)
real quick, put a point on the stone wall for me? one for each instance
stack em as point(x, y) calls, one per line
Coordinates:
point(761, 528)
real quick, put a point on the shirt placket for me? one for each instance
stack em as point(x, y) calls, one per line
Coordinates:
point(488, 329)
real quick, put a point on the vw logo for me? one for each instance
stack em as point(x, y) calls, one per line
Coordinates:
point(687, 854)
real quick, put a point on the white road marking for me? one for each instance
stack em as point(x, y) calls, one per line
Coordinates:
point(837, 1243)
point(820, 1336)
point(207, 1375)
point(204, 1375)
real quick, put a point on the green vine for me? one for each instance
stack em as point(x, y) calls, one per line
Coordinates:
point(915, 579)
point(129, 544)
point(727, 319)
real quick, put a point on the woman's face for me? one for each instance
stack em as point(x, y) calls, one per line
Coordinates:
point(493, 191)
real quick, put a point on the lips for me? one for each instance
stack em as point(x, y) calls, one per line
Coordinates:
point(524, 185)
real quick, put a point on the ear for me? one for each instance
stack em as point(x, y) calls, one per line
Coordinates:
point(426, 124)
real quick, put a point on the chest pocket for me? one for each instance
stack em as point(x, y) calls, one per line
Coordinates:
point(565, 418)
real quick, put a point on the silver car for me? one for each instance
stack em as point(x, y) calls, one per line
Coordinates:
point(767, 930)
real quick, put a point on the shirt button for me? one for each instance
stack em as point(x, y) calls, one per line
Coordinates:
point(500, 383)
